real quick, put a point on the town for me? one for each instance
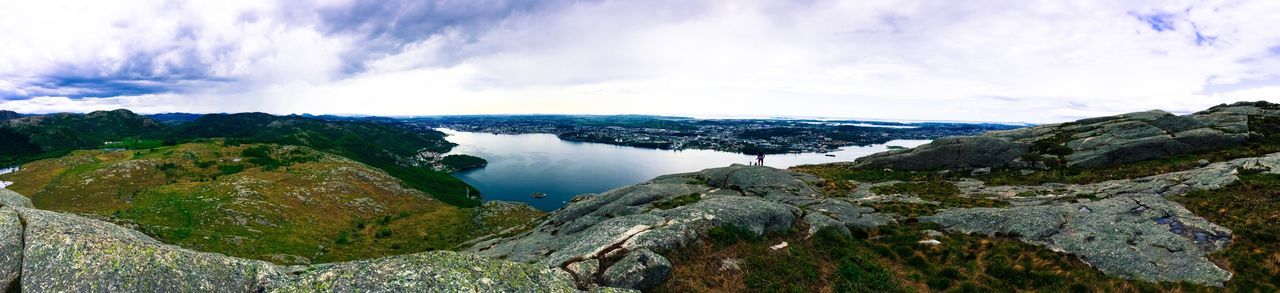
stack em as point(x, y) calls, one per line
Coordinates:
point(748, 136)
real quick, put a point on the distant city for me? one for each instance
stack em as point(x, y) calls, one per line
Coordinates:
point(748, 136)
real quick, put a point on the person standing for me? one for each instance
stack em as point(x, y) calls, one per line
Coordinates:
point(760, 159)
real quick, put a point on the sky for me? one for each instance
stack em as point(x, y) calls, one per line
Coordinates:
point(1014, 61)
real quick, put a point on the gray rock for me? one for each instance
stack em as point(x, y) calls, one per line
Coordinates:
point(10, 248)
point(59, 252)
point(1139, 236)
point(436, 271)
point(13, 199)
point(65, 253)
point(610, 229)
point(1087, 143)
point(965, 152)
point(641, 269)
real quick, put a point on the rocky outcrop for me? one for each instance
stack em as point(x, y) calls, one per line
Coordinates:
point(609, 239)
point(1086, 143)
point(1142, 237)
point(1129, 229)
point(57, 252)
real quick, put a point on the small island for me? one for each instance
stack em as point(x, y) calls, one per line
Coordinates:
point(537, 195)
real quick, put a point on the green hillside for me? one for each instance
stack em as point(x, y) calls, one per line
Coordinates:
point(286, 204)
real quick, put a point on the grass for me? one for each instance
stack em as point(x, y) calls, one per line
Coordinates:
point(824, 262)
point(943, 192)
point(678, 201)
point(1251, 209)
point(891, 259)
point(256, 201)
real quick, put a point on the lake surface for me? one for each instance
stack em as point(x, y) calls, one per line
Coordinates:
point(521, 164)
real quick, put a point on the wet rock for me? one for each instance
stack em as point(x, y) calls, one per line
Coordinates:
point(641, 269)
point(1121, 236)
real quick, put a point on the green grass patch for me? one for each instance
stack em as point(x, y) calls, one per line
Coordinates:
point(678, 201)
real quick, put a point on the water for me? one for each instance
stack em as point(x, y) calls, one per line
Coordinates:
point(8, 170)
point(522, 164)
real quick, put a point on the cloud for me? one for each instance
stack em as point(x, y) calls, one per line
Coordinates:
point(984, 60)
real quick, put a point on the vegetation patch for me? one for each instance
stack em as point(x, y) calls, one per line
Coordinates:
point(257, 201)
point(735, 259)
point(463, 162)
point(678, 201)
point(1251, 209)
point(942, 192)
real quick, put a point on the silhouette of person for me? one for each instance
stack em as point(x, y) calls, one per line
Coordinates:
point(760, 159)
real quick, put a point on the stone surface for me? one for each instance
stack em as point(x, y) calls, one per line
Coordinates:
point(641, 269)
point(622, 227)
point(13, 199)
point(1142, 237)
point(44, 251)
point(437, 271)
point(10, 248)
point(1084, 143)
point(66, 253)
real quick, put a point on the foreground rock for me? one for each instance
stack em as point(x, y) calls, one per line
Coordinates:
point(1085, 143)
point(609, 239)
point(1142, 237)
point(1131, 232)
point(59, 252)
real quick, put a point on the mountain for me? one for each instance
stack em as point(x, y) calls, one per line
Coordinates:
point(286, 204)
point(55, 134)
point(396, 150)
point(378, 144)
point(1105, 209)
point(7, 115)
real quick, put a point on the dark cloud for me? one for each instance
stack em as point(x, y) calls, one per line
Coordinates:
point(386, 27)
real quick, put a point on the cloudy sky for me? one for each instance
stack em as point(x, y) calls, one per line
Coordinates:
point(1032, 61)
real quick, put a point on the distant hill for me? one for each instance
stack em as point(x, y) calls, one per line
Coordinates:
point(6, 115)
point(286, 204)
point(55, 134)
point(174, 118)
point(379, 144)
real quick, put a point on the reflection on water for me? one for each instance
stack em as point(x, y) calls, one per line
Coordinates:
point(522, 164)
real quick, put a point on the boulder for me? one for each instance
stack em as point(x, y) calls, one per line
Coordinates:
point(13, 199)
point(641, 269)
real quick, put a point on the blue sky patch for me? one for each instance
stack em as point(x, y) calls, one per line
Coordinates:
point(1158, 21)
